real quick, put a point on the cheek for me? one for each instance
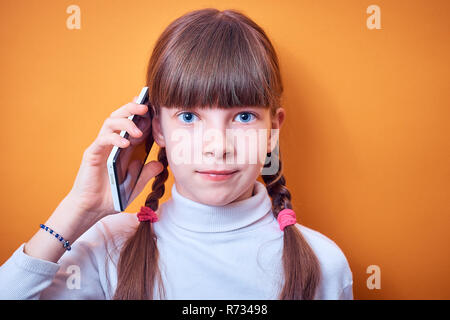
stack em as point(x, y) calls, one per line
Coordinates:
point(181, 171)
point(250, 148)
point(179, 157)
point(255, 144)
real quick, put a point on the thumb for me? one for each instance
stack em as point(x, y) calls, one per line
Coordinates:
point(150, 170)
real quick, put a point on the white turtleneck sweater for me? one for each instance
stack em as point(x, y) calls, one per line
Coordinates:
point(206, 252)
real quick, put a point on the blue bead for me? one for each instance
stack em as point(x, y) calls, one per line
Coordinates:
point(67, 245)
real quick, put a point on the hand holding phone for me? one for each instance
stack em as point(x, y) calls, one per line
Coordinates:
point(92, 188)
point(125, 164)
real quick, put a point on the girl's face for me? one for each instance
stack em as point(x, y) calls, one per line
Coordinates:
point(215, 139)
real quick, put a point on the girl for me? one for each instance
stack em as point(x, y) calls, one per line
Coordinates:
point(222, 236)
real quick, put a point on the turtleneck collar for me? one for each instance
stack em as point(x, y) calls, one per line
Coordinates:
point(198, 217)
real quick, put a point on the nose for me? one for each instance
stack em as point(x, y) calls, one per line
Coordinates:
point(217, 147)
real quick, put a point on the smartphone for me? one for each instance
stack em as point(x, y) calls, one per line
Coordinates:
point(125, 164)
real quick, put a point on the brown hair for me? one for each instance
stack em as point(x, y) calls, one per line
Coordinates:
point(203, 59)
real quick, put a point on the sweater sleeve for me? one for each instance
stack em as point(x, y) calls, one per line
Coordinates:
point(75, 276)
point(347, 292)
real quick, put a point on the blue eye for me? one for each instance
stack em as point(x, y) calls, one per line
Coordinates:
point(245, 116)
point(187, 116)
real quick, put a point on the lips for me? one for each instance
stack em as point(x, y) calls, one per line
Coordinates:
point(220, 172)
point(217, 175)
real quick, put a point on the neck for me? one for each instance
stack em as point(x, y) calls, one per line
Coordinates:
point(199, 217)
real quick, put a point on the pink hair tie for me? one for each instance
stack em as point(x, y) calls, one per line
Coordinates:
point(286, 217)
point(146, 214)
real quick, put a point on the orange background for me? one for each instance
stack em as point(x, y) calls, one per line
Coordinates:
point(365, 145)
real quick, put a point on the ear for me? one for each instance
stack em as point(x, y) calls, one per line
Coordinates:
point(276, 123)
point(158, 135)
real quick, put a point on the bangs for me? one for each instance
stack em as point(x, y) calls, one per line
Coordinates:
point(209, 61)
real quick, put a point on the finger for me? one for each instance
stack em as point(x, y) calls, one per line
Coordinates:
point(113, 139)
point(120, 124)
point(129, 109)
point(103, 145)
point(150, 170)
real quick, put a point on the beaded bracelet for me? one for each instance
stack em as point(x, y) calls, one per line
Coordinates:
point(66, 244)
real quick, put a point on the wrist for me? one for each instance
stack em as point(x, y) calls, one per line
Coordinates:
point(69, 220)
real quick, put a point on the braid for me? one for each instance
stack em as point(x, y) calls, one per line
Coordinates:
point(140, 253)
point(158, 186)
point(276, 188)
point(300, 264)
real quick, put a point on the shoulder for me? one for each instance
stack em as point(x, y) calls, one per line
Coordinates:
point(110, 230)
point(117, 227)
point(121, 221)
point(335, 269)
